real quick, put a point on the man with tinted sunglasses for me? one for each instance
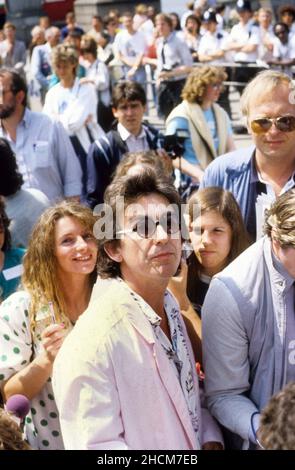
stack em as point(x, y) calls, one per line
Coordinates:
point(258, 175)
point(283, 48)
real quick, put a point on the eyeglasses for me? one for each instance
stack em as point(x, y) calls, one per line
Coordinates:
point(281, 32)
point(145, 227)
point(282, 123)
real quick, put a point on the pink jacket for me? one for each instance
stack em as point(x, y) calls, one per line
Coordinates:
point(114, 385)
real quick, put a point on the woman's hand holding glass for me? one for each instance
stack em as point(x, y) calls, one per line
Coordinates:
point(52, 338)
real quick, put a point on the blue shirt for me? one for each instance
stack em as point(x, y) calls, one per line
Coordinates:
point(182, 123)
point(41, 64)
point(236, 172)
point(45, 156)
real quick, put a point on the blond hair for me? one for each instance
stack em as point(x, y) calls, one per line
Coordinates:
point(263, 84)
point(280, 220)
point(198, 80)
point(141, 9)
point(40, 263)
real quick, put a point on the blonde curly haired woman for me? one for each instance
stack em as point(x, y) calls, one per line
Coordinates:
point(59, 273)
point(206, 123)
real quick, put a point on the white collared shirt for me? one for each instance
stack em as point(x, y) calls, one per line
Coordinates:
point(134, 143)
point(245, 34)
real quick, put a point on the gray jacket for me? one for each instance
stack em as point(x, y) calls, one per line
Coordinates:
point(244, 320)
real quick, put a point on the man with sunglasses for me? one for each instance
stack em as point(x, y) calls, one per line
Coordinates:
point(258, 175)
point(134, 386)
point(283, 48)
point(248, 321)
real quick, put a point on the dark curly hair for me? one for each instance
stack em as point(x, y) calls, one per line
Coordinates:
point(10, 178)
point(5, 221)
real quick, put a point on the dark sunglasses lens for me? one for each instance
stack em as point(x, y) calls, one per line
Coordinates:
point(259, 126)
point(145, 227)
point(172, 224)
point(286, 123)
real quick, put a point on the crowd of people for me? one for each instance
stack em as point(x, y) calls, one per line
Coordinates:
point(147, 279)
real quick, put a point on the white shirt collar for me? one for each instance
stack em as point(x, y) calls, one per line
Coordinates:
point(125, 134)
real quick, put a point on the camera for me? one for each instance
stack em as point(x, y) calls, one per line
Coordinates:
point(173, 144)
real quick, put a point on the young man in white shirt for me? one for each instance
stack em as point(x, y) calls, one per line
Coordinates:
point(130, 134)
point(130, 46)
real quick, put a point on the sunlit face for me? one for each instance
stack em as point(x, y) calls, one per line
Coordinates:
point(244, 16)
point(264, 19)
point(286, 256)
point(75, 247)
point(130, 115)
point(211, 238)
point(65, 70)
point(174, 21)
point(192, 26)
point(54, 39)
point(212, 92)
point(111, 28)
point(39, 37)
point(147, 260)
point(274, 145)
point(163, 28)
point(96, 23)
point(287, 18)
point(8, 100)
point(88, 57)
point(127, 22)
point(9, 33)
point(211, 26)
point(281, 32)
point(151, 11)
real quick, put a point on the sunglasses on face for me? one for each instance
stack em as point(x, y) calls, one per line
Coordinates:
point(145, 227)
point(282, 123)
point(280, 32)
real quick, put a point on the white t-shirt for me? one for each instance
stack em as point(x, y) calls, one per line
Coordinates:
point(130, 45)
point(284, 51)
point(211, 43)
point(243, 35)
point(72, 107)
